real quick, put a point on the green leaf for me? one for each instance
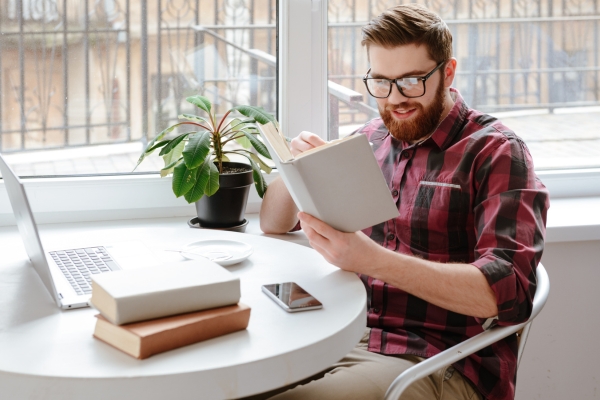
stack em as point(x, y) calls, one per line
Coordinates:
point(160, 136)
point(183, 179)
point(259, 181)
point(157, 146)
point(168, 169)
point(172, 159)
point(261, 163)
point(149, 148)
point(174, 155)
point(213, 182)
point(197, 191)
point(197, 149)
point(230, 128)
point(236, 124)
point(243, 140)
point(256, 113)
point(174, 143)
point(247, 121)
point(193, 118)
point(258, 145)
point(200, 102)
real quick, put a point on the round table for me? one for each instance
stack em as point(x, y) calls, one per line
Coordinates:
point(48, 353)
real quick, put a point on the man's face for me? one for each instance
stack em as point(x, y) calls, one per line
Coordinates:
point(409, 119)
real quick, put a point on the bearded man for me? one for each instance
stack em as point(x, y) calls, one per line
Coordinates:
point(463, 251)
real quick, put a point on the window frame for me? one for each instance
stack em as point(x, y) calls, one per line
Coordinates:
point(77, 199)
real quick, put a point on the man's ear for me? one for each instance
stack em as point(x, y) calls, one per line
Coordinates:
point(449, 72)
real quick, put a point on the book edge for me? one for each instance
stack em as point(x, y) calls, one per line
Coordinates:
point(128, 311)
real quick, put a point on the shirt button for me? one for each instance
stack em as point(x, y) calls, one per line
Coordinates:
point(391, 236)
point(376, 310)
point(394, 192)
point(406, 154)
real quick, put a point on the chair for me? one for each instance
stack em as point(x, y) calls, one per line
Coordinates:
point(476, 343)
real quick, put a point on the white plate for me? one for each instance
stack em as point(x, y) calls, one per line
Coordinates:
point(223, 252)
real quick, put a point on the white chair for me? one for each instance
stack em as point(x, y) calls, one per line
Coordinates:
point(476, 343)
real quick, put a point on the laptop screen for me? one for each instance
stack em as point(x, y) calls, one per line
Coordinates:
point(27, 227)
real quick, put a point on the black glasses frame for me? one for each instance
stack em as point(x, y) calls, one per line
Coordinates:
point(392, 81)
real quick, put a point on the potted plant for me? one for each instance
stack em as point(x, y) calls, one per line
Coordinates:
point(202, 171)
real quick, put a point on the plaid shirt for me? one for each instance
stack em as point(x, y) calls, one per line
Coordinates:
point(467, 194)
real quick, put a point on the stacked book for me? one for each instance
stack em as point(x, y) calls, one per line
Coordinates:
point(151, 310)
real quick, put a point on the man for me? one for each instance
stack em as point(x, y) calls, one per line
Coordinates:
point(470, 234)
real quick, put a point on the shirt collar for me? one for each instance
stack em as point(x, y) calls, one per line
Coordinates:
point(446, 130)
point(451, 125)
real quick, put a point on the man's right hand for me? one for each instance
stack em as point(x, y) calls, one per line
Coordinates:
point(305, 141)
point(278, 212)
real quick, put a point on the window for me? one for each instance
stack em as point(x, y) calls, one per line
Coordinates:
point(534, 64)
point(236, 42)
point(85, 84)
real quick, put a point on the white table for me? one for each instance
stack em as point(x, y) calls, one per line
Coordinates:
point(48, 353)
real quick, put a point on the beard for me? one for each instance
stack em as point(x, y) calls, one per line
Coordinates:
point(417, 128)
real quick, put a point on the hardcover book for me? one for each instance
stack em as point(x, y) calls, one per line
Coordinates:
point(340, 182)
point(140, 294)
point(143, 339)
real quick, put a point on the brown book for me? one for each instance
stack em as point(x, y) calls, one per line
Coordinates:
point(143, 339)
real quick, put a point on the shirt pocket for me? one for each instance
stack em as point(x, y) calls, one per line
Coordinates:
point(438, 219)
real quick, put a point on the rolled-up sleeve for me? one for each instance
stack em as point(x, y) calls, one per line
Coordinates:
point(510, 223)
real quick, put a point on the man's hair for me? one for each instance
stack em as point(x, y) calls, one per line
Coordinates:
point(410, 24)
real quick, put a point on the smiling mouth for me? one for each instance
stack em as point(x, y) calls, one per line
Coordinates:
point(403, 114)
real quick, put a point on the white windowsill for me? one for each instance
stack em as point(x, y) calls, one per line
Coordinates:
point(56, 200)
point(573, 219)
point(569, 220)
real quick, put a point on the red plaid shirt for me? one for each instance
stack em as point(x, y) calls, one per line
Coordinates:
point(467, 194)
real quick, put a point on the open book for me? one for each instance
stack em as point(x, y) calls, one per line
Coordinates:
point(340, 182)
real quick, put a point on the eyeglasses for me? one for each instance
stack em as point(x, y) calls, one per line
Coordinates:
point(411, 87)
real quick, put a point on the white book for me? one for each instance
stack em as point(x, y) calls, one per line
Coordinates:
point(340, 182)
point(133, 295)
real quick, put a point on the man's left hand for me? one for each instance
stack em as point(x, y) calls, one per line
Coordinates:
point(354, 252)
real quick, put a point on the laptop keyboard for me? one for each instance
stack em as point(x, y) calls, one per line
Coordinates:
point(78, 266)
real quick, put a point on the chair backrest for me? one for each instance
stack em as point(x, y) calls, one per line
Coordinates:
point(541, 295)
point(476, 343)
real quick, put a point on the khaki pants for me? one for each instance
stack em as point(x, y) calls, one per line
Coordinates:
point(363, 375)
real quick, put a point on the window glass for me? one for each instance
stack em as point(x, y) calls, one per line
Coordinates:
point(534, 64)
point(84, 85)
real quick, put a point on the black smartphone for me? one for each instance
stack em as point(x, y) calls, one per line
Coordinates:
point(291, 297)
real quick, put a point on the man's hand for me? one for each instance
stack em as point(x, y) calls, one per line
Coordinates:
point(305, 141)
point(457, 287)
point(278, 211)
point(354, 252)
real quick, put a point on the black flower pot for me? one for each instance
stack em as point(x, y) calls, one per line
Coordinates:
point(227, 206)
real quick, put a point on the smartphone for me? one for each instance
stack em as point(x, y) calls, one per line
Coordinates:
point(291, 297)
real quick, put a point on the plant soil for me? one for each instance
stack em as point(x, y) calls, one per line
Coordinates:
point(233, 170)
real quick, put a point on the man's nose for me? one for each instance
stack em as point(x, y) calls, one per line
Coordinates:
point(395, 96)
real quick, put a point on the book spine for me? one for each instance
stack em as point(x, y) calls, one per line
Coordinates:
point(178, 301)
point(195, 332)
point(295, 182)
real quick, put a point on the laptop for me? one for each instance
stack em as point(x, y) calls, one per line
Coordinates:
point(67, 273)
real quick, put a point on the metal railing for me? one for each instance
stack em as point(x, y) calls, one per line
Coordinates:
point(337, 93)
point(109, 71)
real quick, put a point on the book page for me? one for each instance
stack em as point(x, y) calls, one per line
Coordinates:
point(326, 145)
point(277, 142)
